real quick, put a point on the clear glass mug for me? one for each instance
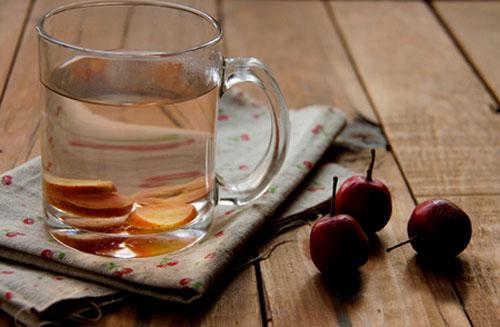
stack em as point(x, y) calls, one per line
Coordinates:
point(129, 109)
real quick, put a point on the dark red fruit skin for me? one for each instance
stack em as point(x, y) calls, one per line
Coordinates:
point(338, 244)
point(443, 229)
point(369, 202)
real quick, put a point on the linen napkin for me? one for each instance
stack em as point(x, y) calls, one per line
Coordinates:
point(181, 277)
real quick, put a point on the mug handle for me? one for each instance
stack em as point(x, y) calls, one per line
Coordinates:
point(242, 191)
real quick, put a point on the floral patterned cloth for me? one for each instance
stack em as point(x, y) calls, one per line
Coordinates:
point(181, 277)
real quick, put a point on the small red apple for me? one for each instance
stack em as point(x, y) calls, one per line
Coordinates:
point(337, 243)
point(438, 229)
point(366, 199)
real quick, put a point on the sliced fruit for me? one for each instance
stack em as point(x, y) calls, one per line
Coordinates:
point(68, 186)
point(184, 193)
point(97, 205)
point(151, 246)
point(162, 217)
point(179, 199)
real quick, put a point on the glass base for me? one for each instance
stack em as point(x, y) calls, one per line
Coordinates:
point(123, 244)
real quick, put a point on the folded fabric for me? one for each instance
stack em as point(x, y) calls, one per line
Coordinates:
point(183, 276)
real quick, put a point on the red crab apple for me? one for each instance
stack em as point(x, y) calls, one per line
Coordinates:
point(438, 229)
point(365, 199)
point(337, 242)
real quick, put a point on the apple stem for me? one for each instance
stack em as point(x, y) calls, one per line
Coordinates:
point(370, 168)
point(333, 207)
point(401, 244)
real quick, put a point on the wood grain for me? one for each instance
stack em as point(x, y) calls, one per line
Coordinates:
point(391, 290)
point(19, 110)
point(309, 63)
point(12, 17)
point(434, 110)
point(476, 27)
point(476, 272)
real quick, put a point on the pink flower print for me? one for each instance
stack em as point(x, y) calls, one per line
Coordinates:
point(47, 254)
point(229, 212)
point(14, 234)
point(210, 255)
point(245, 137)
point(117, 274)
point(308, 164)
point(6, 272)
point(256, 115)
point(58, 278)
point(166, 262)
point(223, 117)
point(8, 295)
point(121, 272)
point(219, 233)
point(28, 221)
point(117, 271)
point(6, 180)
point(184, 282)
point(243, 167)
point(317, 129)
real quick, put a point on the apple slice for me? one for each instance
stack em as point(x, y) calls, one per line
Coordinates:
point(96, 205)
point(179, 199)
point(182, 193)
point(162, 217)
point(68, 186)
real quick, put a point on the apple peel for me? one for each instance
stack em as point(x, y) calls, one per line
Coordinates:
point(162, 217)
point(97, 205)
point(70, 186)
point(174, 195)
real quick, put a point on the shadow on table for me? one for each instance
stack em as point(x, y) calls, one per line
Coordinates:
point(441, 272)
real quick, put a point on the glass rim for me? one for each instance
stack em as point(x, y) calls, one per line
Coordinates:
point(127, 53)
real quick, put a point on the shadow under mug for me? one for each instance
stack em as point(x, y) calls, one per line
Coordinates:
point(130, 94)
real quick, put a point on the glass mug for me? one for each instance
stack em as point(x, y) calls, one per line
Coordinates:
point(129, 109)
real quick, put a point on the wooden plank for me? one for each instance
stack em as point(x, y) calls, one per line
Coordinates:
point(12, 17)
point(19, 110)
point(302, 60)
point(434, 110)
point(476, 273)
point(475, 25)
point(125, 315)
point(393, 289)
point(236, 306)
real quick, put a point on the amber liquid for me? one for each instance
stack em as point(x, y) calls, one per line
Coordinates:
point(117, 138)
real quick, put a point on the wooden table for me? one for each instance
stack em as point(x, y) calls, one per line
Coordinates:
point(428, 74)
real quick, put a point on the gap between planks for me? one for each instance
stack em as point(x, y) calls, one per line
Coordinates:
point(362, 82)
point(461, 49)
